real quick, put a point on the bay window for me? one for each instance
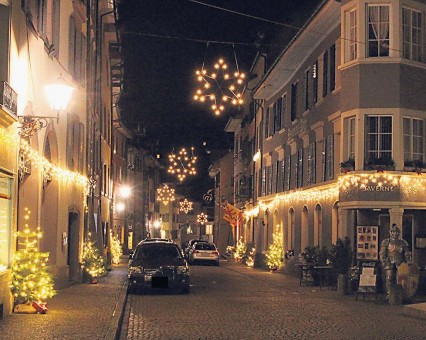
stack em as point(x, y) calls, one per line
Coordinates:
point(413, 139)
point(378, 31)
point(411, 34)
point(378, 131)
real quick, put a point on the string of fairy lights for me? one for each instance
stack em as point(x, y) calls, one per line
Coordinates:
point(378, 182)
point(63, 175)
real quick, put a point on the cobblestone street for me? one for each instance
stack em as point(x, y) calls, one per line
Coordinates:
point(236, 302)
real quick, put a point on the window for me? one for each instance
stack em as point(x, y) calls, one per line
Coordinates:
point(412, 34)
point(56, 26)
point(299, 168)
point(351, 138)
point(283, 110)
point(327, 158)
point(42, 18)
point(332, 68)
point(269, 179)
point(287, 170)
point(311, 163)
point(307, 76)
point(325, 74)
point(278, 178)
point(379, 137)
point(277, 114)
point(77, 48)
point(378, 31)
point(413, 139)
point(350, 38)
point(266, 122)
point(315, 81)
point(293, 107)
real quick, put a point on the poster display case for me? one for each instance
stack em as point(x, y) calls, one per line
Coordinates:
point(367, 242)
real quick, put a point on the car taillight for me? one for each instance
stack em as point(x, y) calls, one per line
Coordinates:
point(196, 251)
point(215, 252)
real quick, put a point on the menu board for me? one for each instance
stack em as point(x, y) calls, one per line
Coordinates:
point(367, 242)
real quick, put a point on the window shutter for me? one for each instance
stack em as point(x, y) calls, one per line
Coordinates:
point(323, 152)
point(299, 171)
point(71, 56)
point(288, 173)
point(70, 141)
point(81, 149)
point(56, 23)
point(311, 163)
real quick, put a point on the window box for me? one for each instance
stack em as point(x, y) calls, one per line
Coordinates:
point(380, 164)
point(415, 166)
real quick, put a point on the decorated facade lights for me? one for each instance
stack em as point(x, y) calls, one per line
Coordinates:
point(182, 164)
point(185, 206)
point(221, 87)
point(202, 218)
point(165, 194)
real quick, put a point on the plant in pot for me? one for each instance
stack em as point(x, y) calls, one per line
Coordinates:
point(341, 260)
point(380, 164)
point(348, 165)
point(416, 165)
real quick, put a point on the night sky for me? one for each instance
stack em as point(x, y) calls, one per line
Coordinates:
point(165, 41)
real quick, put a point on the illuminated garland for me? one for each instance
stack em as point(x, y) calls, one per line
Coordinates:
point(202, 218)
point(182, 164)
point(185, 206)
point(43, 164)
point(165, 194)
point(220, 87)
point(345, 183)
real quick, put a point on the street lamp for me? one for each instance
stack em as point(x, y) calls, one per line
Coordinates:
point(58, 95)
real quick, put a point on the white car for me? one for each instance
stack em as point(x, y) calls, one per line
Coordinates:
point(204, 252)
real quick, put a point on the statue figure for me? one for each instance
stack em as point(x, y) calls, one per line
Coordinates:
point(393, 252)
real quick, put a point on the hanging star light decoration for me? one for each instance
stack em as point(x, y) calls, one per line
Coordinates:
point(202, 218)
point(185, 206)
point(220, 87)
point(182, 164)
point(165, 194)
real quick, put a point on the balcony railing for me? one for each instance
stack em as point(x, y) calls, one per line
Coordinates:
point(8, 98)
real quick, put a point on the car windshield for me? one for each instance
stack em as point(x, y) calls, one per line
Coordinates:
point(205, 246)
point(156, 251)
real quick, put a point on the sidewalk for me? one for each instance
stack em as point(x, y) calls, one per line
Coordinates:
point(81, 311)
point(291, 283)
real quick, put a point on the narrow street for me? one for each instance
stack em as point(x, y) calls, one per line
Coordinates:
point(236, 302)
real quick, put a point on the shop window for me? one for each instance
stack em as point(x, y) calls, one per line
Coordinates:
point(412, 34)
point(378, 31)
point(413, 139)
point(378, 131)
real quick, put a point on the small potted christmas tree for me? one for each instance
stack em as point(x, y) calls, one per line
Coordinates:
point(275, 253)
point(93, 263)
point(32, 284)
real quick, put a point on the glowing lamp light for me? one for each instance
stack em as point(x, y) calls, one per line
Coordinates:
point(120, 207)
point(58, 96)
point(125, 191)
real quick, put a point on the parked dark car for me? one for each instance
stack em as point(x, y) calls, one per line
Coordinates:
point(158, 265)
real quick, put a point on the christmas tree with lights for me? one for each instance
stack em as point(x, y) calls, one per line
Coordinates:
point(116, 250)
point(32, 284)
point(275, 251)
point(93, 263)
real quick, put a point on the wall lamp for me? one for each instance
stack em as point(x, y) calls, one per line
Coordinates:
point(58, 96)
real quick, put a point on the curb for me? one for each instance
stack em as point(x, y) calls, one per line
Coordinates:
point(114, 326)
point(416, 311)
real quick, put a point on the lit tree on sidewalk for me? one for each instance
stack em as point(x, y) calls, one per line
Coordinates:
point(31, 282)
point(93, 264)
point(275, 251)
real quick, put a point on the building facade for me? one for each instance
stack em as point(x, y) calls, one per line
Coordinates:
point(348, 90)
